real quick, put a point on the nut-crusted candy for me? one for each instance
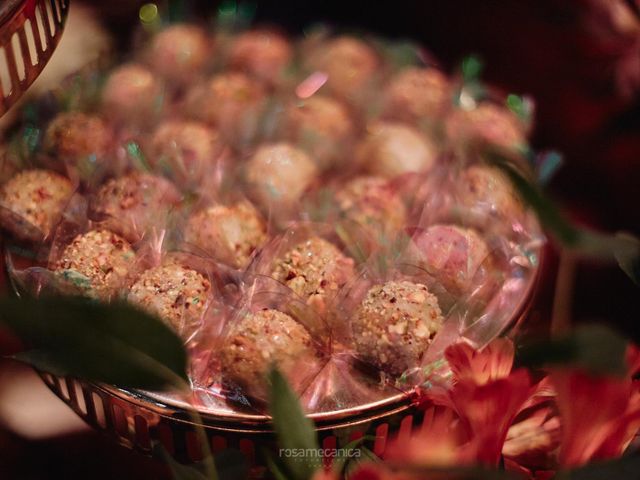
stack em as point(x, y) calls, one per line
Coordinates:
point(487, 122)
point(314, 269)
point(259, 340)
point(488, 195)
point(320, 125)
point(371, 203)
point(179, 295)
point(73, 136)
point(416, 93)
point(390, 149)
point(229, 233)
point(96, 264)
point(184, 149)
point(280, 173)
point(32, 201)
point(261, 53)
point(231, 101)
point(179, 51)
point(350, 64)
point(394, 325)
point(452, 254)
point(132, 93)
point(132, 204)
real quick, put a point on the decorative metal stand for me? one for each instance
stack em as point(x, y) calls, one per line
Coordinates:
point(29, 33)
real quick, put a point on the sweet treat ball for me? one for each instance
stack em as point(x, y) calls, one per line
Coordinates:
point(321, 126)
point(314, 269)
point(184, 150)
point(177, 294)
point(132, 204)
point(417, 93)
point(371, 203)
point(31, 203)
point(96, 264)
point(230, 101)
point(263, 54)
point(488, 122)
point(450, 253)
point(231, 234)
point(132, 94)
point(279, 174)
point(390, 149)
point(259, 340)
point(179, 52)
point(350, 64)
point(75, 136)
point(488, 197)
point(394, 325)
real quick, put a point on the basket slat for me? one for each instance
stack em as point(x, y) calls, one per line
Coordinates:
point(21, 71)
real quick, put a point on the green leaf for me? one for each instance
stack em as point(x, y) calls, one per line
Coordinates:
point(178, 470)
point(115, 343)
point(548, 164)
point(343, 461)
point(627, 468)
point(366, 456)
point(521, 106)
point(41, 360)
point(547, 212)
point(231, 465)
point(622, 247)
point(294, 430)
point(627, 254)
point(471, 68)
point(594, 348)
point(276, 470)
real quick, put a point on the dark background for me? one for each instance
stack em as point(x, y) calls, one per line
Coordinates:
point(562, 52)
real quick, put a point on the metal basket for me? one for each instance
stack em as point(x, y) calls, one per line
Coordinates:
point(29, 33)
point(138, 419)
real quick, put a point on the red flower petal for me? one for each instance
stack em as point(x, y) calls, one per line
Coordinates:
point(481, 366)
point(590, 408)
point(488, 411)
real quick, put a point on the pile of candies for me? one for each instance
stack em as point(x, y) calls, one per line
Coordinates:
point(325, 204)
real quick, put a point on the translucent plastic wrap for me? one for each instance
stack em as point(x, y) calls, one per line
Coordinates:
point(324, 205)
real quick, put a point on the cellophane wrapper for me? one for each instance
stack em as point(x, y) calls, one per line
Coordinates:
point(457, 229)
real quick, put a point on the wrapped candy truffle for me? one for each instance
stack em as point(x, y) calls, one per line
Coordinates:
point(321, 126)
point(270, 326)
point(261, 53)
point(132, 94)
point(80, 140)
point(31, 203)
point(390, 149)
point(185, 151)
point(453, 255)
point(258, 339)
point(278, 174)
point(314, 268)
point(417, 94)
point(371, 203)
point(133, 204)
point(394, 325)
point(229, 233)
point(350, 64)
point(232, 102)
point(179, 52)
point(96, 264)
point(487, 199)
point(176, 293)
point(486, 123)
